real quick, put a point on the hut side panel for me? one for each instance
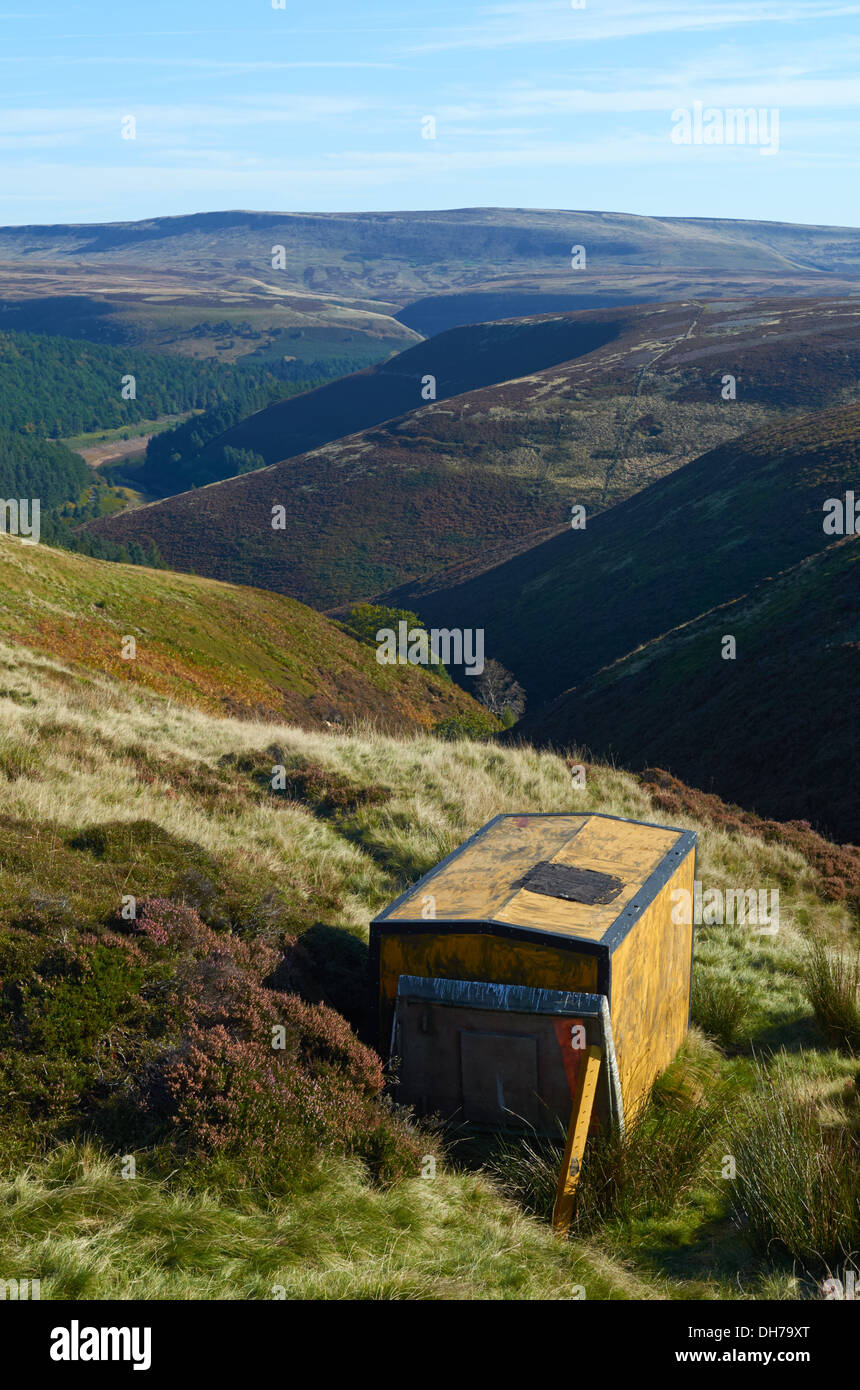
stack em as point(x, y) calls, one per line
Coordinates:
point(650, 991)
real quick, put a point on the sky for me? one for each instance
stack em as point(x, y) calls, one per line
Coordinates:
point(276, 105)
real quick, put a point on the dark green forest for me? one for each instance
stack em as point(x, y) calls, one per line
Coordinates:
point(37, 468)
point(54, 387)
point(51, 387)
point(173, 461)
point(187, 456)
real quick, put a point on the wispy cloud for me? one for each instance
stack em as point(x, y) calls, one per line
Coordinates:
point(518, 101)
point(190, 64)
point(322, 106)
point(520, 25)
point(166, 124)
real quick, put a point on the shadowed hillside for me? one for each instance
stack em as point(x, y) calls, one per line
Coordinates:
point(462, 360)
point(776, 730)
point(705, 535)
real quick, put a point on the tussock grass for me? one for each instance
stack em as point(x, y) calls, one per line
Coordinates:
point(797, 1188)
point(832, 983)
point(19, 758)
point(721, 1006)
point(647, 1171)
point(87, 1233)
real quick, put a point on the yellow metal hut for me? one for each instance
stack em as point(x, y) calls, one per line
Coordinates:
point(581, 906)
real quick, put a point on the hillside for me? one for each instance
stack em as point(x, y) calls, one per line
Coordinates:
point(213, 646)
point(195, 313)
point(777, 730)
point(388, 254)
point(558, 612)
point(670, 350)
point(262, 1174)
point(462, 360)
point(473, 478)
point(357, 287)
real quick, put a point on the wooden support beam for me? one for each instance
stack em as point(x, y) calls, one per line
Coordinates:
point(577, 1133)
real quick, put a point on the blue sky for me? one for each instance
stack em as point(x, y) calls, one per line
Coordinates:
point(320, 106)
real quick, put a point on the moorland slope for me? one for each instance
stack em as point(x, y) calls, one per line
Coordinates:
point(704, 535)
point(468, 480)
point(263, 1173)
point(215, 646)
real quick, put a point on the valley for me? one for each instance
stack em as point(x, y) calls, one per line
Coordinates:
point(407, 527)
point(492, 467)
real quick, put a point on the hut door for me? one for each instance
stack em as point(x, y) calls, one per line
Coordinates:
point(500, 1079)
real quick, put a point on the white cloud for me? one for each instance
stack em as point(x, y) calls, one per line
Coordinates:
point(519, 100)
point(235, 65)
point(521, 25)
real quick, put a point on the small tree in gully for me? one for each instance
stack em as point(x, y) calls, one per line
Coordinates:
point(497, 689)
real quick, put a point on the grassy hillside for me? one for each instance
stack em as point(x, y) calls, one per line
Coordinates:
point(703, 536)
point(775, 730)
point(469, 480)
point(221, 648)
point(151, 1038)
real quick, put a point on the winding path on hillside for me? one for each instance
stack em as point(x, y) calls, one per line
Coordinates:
point(627, 422)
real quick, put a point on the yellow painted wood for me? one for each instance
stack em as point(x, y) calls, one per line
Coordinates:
point(577, 1134)
point(650, 991)
point(477, 956)
point(650, 967)
point(625, 844)
point(482, 882)
point(480, 877)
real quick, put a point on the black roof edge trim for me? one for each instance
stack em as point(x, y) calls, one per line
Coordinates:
point(687, 841)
